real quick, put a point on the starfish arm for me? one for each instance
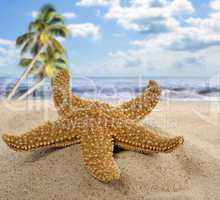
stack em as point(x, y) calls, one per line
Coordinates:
point(131, 136)
point(97, 151)
point(142, 105)
point(64, 101)
point(51, 134)
point(134, 109)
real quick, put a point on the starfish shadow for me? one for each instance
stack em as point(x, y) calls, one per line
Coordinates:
point(42, 153)
point(118, 149)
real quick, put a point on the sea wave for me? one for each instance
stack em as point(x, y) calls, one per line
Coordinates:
point(109, 88)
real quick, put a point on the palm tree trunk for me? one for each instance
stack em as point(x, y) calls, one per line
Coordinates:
point(23, 76)
point(32, 89)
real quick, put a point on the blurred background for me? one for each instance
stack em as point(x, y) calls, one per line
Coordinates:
point(116, 46)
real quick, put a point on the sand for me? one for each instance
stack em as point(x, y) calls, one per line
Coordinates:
point(191, 172)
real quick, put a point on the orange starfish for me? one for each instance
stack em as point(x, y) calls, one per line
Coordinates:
point(97, 127)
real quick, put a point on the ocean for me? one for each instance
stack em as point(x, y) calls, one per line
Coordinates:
point(115, 88)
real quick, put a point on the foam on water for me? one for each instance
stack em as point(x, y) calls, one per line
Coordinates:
point(113, 88)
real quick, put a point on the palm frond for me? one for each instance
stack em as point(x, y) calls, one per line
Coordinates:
point(48, 8)
point(35, 48)
point(37, 25)
point(51, 51)
point(53, 15)
point(23, 38)
point(45, 11)
point(60, 30)
point(58, 54)
point(27, 46)
point(36, 71)
point(61, 60)
point(43, 38)
point(58, 47)
point(49, 16)
point(43, 57)
point(59, 66)
point(25, 62)
point(57, 19)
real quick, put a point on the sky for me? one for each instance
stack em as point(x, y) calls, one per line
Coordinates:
point(174, 38)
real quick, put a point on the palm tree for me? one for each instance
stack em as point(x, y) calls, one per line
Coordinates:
point(46, 66)
point(42, 33)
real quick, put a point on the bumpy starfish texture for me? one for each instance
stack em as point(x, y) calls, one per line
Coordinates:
point(97, 127)
point(134, 109)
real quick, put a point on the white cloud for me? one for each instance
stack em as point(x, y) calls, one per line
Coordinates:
point(181, 49)
point(166, 31)
point(34, 13)
point(203, 32)
point(183, 39)
point(142, 58)
point(181, 6)
point(69, 15)
point(210, 23)
point(149, 15)
point(169, 44)
point(94, 2)
point(8, 52)
point(6, 42)
point(145, 61)
point(85, 30)
point(215, 5)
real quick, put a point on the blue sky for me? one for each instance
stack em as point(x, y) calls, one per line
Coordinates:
point(124, 37)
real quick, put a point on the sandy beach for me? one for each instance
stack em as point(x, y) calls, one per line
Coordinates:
point(191, 172)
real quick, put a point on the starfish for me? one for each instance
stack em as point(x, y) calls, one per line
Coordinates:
point(135, 109)
point(98, 127)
